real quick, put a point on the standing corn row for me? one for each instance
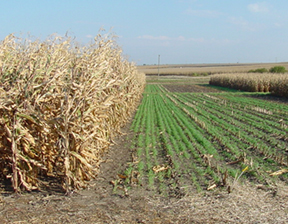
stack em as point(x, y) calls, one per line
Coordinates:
point(279, 87)
point(60, 107)
point(274, 83)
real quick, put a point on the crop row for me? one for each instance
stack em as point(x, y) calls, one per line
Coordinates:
point(187, 141)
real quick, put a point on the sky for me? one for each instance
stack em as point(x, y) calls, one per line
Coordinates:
point(180, 31)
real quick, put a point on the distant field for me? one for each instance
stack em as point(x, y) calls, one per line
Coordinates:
point(177, 79)
point(192, 69)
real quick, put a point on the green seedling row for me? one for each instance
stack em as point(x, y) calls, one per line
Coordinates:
point(186, 141)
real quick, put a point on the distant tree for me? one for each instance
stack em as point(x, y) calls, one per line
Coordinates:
point(277, 69)
point(258, 70)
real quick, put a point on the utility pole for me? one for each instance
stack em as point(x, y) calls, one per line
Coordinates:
point(158, 64)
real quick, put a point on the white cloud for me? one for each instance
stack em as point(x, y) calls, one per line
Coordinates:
point(245, 25)
point(239, 21)
point(168, 39)
point(198, 40)
point(89, 36)
point(202, 13)
point(189, 1)
point(181, 38)
point(150, 37)
point(278, 24)
point(258, 7)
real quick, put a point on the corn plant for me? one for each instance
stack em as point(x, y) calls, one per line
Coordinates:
point(270, 82)
point(60, 106)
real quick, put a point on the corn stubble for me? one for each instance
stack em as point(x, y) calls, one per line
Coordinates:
point(60, 107)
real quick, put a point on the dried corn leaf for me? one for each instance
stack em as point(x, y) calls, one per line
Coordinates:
point(279, 172)
point(80, 158)
point(159, 168)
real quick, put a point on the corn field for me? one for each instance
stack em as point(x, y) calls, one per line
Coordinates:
point(277, 84)
point(61, 104)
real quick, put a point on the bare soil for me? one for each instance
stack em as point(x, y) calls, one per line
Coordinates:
point(190, 88)
point(100, 203)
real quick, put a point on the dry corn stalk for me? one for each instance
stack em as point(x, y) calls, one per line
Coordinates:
point(60, 107)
